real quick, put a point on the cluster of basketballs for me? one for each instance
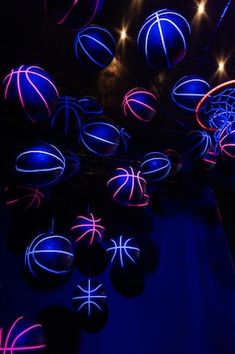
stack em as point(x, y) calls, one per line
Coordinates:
point(49, 259)
point(162, 42)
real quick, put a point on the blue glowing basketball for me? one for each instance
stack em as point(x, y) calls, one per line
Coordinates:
point(163, 39)
point(227, 141)
point(176, 160)
point(196, 144)
point(100, 138)
point(31, 89)
point(123, 251)
point(40, 165)
point(140, 104)
point(188, 91)
point(73, 14)
point(125, 140)
point(67, 117)
point(88, 229)
point(94, 47)
point(72, 165)
point(90, 107)
point(89, 299)
point(128, 187)
point(155, 166)
point(49, 257)
point(23, 337)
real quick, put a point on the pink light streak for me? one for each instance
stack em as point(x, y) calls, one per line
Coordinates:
point(75, 3)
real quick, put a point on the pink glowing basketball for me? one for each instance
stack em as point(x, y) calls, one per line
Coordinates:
point(31, 89)
point(140, 104)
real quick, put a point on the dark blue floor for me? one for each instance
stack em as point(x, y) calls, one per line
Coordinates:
point(187, 305)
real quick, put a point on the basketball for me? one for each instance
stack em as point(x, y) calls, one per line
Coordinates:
point(95, 47)
point(128, 187)
point(49, 257)
point(101, 138)
point(40, 165)
point(188, 91)
point(88, 229)
point(196, 144)
point(31, 89)
point(163, 39)
point(155, 166)
point(68, 116)
point(23, 337)
point(123, 251)
point(140, 104)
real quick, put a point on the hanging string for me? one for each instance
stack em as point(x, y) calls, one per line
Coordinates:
point(51, 230)
point(224, 12)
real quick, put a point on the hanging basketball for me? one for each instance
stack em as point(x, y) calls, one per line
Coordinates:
point(188, 91)
point(49, 257)
point(140, 104)
point(23, 337)
point(196, 144)
point(95, 47)
point(101, 138)
point(124, 252)
point(32, 90)
point(88, 229)
point(68, 116)
point(155, 166)
point(128, 187)
point(40, 165)
point(163, 39)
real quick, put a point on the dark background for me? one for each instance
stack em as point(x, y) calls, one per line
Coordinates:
point(181, 300)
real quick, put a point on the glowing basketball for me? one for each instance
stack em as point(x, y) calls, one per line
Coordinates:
point(196, 144)
point(176, 160)
point(100, 138)
point(94, 47)
point(125, 140)
point(155, 166)
point(23, 197)
point(40, 165)
point(90, 107)
point(23, 337)
point(188, 91)
point(67, 117)
point(49, 257)
point(31, 89)
point(88, 229)
point(123, 251)
point(163, 39)
point(72, 165)
point(140, 104)
point(73, 14)
point(89, 299)
point(227, 141)
point(128, 187)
